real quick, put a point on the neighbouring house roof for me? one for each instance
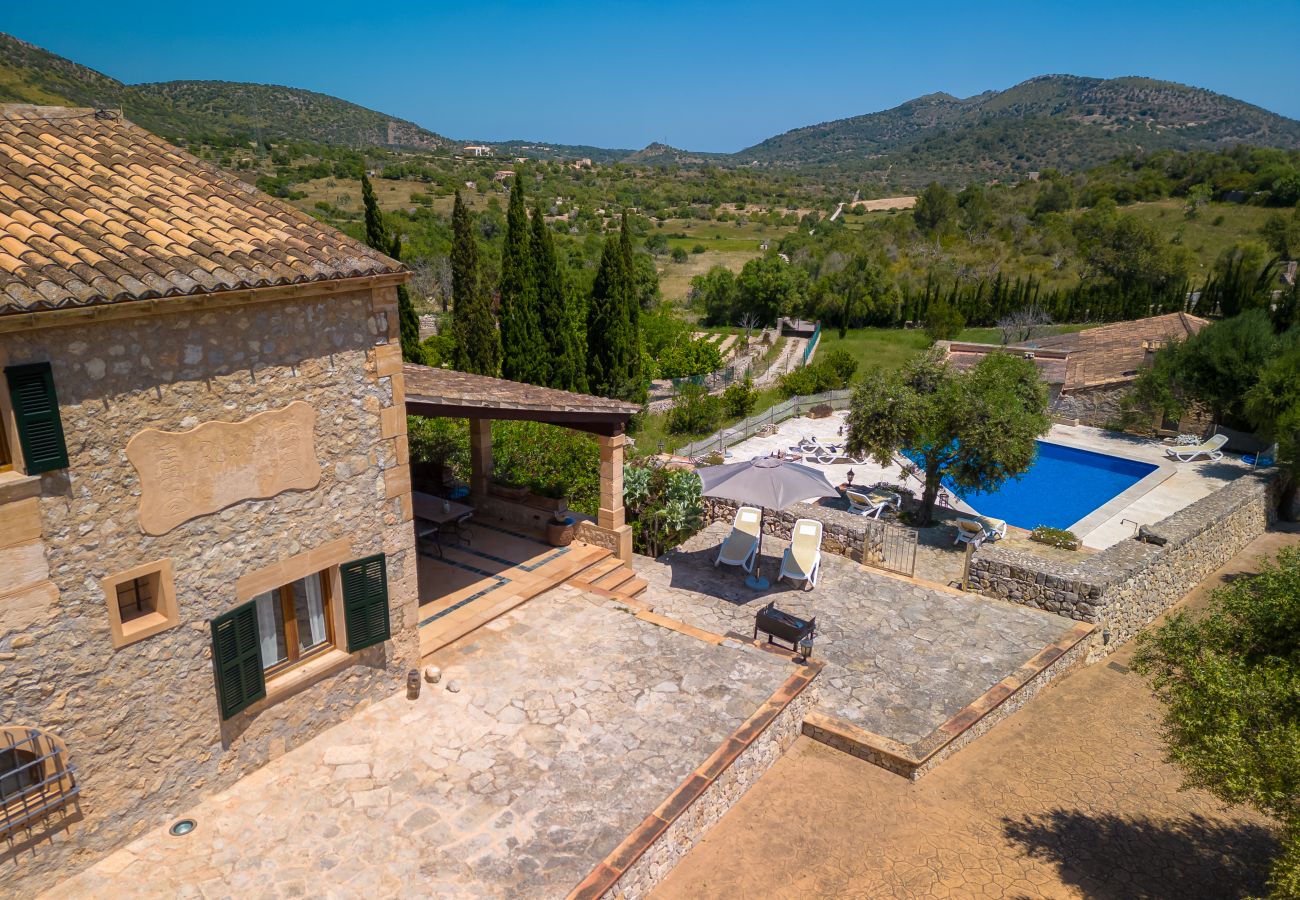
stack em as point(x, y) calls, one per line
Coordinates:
point(444, 392)
point(95, 210)
point(1107, 354)
point(964, 355)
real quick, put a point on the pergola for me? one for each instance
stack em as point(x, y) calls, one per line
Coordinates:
point(480, 399)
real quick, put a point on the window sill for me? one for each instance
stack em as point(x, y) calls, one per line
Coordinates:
point(143, 627)
point(17, 486)
point(301, 677)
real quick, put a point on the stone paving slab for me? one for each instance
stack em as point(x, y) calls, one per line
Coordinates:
point(573, 720)
point(902, 658)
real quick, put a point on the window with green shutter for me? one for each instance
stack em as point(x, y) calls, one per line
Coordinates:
point(36, 415)
point(365, 601)
point(237, 659)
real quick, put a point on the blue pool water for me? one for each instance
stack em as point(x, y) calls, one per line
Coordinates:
point(1062, 486)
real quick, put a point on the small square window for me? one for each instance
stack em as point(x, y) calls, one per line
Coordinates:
point(141, 602)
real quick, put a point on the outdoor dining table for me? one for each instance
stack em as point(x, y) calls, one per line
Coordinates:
point(438, 512)
point(436, 509)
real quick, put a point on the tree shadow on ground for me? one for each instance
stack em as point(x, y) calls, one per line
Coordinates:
point(1109, 856)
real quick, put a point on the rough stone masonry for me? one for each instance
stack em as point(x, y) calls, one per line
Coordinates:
point(141, 722)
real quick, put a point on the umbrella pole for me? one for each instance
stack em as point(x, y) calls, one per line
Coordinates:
point(755, 579)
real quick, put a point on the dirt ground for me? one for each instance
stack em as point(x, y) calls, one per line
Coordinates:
point(1070, 797)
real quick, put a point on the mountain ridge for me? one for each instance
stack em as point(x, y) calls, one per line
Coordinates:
point(1057, 120)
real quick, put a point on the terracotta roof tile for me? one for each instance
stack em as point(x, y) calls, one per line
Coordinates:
point(95, 210)
point(479, 392)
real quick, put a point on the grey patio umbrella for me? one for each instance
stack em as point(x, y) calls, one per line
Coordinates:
point(768, 483)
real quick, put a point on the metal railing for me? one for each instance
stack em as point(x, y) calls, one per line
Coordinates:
point(811, 346)
point(773, 415)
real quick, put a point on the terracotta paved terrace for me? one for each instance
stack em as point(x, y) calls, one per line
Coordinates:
point(555, 731)
point(1071, 797)
point(902, 658)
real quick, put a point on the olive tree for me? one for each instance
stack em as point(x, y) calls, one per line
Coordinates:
point(1230, 683)
point(976, 428)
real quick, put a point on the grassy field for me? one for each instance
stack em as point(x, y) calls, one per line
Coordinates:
point(889, 348)
point(1216, 228)
point(726, 244)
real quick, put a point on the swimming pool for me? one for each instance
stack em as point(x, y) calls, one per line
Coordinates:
point(1063, 485)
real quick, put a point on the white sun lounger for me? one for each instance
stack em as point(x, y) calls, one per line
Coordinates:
point(1211, 449)
point(978, 529)
point(872, 503)
point(803, 559)
point(741, 546)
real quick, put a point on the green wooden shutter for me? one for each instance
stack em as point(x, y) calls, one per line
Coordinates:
point(237, 659)
point(36, 413)
point(365, 601)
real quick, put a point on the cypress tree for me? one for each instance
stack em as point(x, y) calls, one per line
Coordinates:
point(607, 326)
point(631, 318)
point(523, 352)
point(478, 343)
point(565, 368)
point(378, 238)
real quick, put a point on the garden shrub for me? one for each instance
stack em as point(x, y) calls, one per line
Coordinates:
point(548, 460)
point(695, 411)
point(1060, 538)
point(664, 506)
point(739, 399)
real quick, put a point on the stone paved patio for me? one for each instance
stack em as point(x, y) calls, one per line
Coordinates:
point(901, 658)
point(1071, 797)
point(572, 722)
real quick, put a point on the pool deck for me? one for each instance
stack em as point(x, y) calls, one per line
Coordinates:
point(1171, 487)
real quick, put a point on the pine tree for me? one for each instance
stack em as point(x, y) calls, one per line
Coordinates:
point(565, 369)
point(607, 324)
point(523, 351)
point(474, 329)
point(379, 238)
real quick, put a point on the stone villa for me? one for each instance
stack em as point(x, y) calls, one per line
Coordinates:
point(204, 494)
point(1089, 371)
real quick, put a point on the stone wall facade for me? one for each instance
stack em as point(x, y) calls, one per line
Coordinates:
point(1123, 588)
point(843, 533)
point(141, 722)
point(1098, 407)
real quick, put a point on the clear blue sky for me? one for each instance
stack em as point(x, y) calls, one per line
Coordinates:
point(699, 75)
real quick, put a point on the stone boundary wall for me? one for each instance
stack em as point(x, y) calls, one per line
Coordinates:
point(651, 852)
point(1123, 588)
point(912, 761)
point(1096, 406)
point(843, 533)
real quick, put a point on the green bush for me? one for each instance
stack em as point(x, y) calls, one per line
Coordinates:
point(698, 248)
point(548, 460)
point(679, 254)
point(440, 442)
point(664, 506)
point(842, 363)
point(739, 399)
point(1060, 538)
point(812, 379)
point(695, 411)
point(943, 322)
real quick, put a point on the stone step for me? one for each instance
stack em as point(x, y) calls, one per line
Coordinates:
point(611, 580)
point(602, 568)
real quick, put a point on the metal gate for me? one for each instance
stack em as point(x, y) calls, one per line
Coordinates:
point(890, 547)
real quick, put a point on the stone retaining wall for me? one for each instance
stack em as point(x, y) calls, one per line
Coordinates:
point(1123, 588)
point(653, 849)
point(843, 533)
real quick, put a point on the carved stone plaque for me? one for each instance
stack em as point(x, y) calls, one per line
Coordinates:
point(185, 474)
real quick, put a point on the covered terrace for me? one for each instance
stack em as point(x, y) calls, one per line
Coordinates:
point(480, 399)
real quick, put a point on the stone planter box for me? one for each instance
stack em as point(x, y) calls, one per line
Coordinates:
point(549, 504)
point(506, 492)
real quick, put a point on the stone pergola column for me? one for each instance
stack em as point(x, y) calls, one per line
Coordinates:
point(480, 457)
point(610, 516)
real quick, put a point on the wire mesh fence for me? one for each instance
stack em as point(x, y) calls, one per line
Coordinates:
point(773, 415)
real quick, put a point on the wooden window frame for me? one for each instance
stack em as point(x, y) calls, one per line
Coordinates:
point(6, 455)
point(165, 614)
point(294, 655)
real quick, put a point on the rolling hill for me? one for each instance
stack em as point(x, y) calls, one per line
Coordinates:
point(1061, 121)
point(190, 110)
point(1065, 121)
